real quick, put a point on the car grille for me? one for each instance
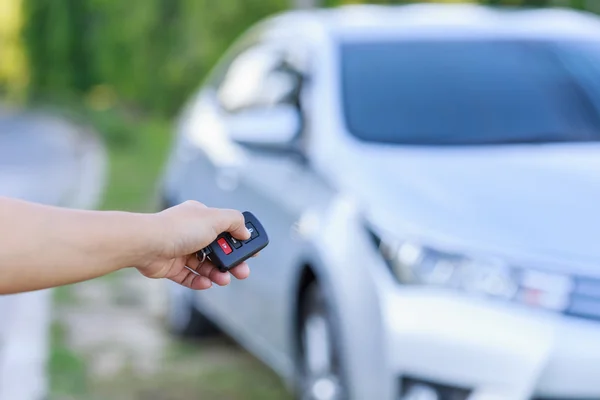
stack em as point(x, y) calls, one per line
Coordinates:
point(437, 390)
point(585, 299)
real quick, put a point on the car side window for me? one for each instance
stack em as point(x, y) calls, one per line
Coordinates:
point(259, 77)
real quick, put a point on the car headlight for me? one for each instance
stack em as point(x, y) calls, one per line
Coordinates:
point(415, 263)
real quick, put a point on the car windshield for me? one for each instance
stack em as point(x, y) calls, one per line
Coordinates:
point(461, 92)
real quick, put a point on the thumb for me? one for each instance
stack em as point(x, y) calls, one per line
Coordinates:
point(232, 221)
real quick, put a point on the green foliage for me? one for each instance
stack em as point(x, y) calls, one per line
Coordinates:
point(53, 45)
point(151, 53)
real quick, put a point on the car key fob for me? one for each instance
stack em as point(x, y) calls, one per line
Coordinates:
point(226, 251)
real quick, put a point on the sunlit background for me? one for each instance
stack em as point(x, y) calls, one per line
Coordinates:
point(119, 74)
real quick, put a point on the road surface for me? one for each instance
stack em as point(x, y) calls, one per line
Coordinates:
point(47, 160)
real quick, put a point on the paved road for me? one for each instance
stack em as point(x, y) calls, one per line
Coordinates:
point(46, 160)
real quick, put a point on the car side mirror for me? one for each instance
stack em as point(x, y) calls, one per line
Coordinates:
point(268, 127)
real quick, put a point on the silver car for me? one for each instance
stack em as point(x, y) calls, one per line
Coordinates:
point(429, 176)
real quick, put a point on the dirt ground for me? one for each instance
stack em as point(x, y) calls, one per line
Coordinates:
point(109, 342)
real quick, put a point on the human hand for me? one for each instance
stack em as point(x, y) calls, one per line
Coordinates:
point(182, 231)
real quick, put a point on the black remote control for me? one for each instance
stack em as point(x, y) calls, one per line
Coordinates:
point(226, 251)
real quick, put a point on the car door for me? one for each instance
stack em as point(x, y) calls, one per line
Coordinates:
point(273, 181)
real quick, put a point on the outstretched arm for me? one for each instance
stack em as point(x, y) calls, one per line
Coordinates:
point(43, 246)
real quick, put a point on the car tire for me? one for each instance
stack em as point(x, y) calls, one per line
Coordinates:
point(320, 366)
point(183, 318)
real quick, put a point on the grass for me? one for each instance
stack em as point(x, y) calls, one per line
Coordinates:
point(68, 375)
point(135, 167)
point(221, 373)
point(213, 370)
point(137, 149)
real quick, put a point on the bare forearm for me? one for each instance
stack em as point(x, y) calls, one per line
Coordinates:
point(42, 247)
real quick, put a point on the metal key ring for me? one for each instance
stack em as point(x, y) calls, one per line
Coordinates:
point(193, 271)
point(203, 256)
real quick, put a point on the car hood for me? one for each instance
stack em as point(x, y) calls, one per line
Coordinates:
point(542, 200)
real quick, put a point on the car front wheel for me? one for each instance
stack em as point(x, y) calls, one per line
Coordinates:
point(320, 361)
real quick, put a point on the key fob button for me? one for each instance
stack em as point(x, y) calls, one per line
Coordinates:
point(252, 230)
point(234, 242)
point(224, 246)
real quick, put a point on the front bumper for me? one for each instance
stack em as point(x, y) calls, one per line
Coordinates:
point(496, 350)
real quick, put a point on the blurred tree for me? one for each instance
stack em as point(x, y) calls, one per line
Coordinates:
point(13, 72)
point(55, 45)
point(578, 4)
point(149, 53)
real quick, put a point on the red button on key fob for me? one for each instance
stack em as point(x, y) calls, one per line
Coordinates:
point(224, 246)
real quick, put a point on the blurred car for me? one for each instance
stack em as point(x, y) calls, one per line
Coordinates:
point(429, 176)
